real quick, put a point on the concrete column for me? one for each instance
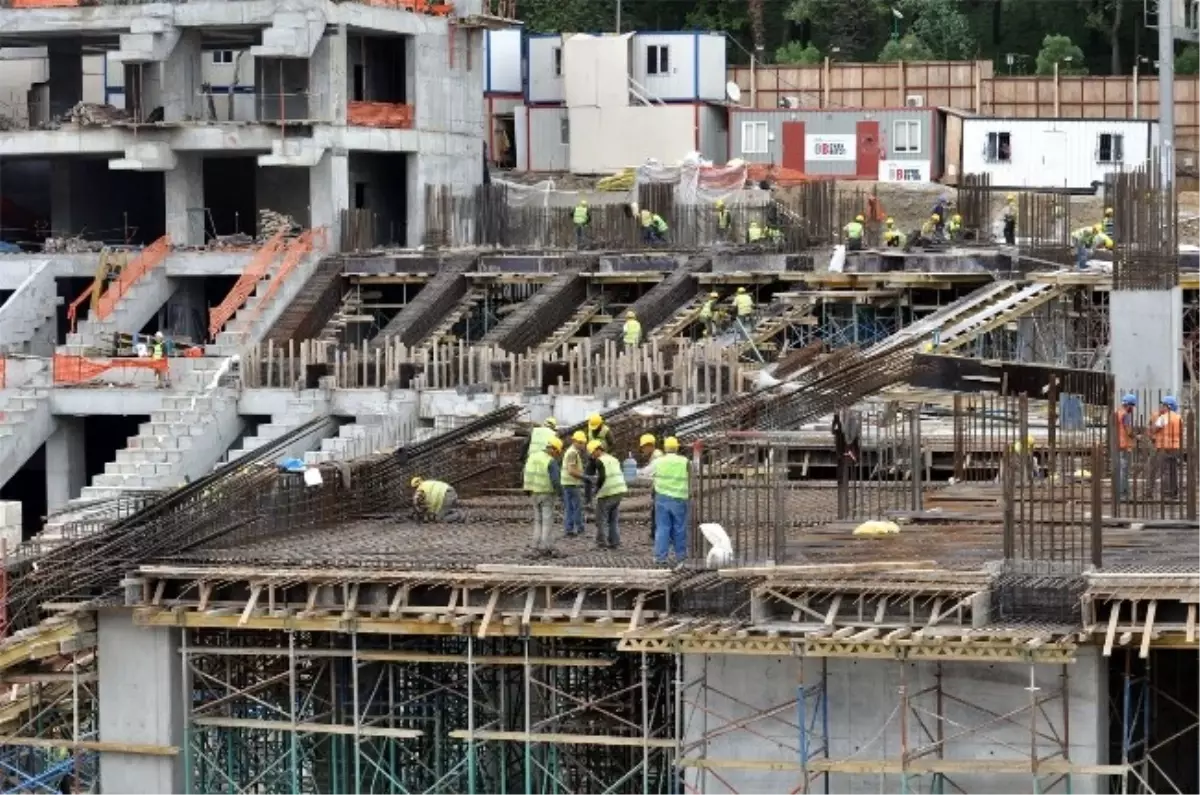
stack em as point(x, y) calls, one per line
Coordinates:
point(180, 79)
point(60, 197)
point(184, 188)
point(329, 194)
point(141, 701)
point(65, 59)
point(10, 524)
point(327, 79)
point(66, 467)
point(1146, 328)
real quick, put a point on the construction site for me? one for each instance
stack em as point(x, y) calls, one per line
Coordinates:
point(951, 564)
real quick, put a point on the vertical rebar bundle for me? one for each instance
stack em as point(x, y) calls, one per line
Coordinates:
point(974, 204)
point(1044, 228)
point(1145, 214)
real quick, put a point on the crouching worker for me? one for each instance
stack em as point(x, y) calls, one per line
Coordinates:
point(435, 501)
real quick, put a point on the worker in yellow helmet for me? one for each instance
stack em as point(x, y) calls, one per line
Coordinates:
point(540, 435)
point(631, 331)
point(610, 488)
point(597, 431)
point(1110, 225)
point(574, 465)
point(724, 221)
point(581, 217)
point(1010, 219)
point(929, 229)
point(434, 501)
point(650, 454)
point(854, 234)
point(893, 237)
point(706, 314)
point(743, 306)
point(671, 492)
point(538, 483)
point(954, 228)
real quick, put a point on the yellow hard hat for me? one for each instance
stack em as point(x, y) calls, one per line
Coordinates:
point(935, 217)
point(555, 442)
point(1098, 228)
point(1012, 197)
point(1108, 211)
point(1108, 242)
point(957, 218)
point(631, 313)
point(890, 222)
point(579, 436)
point(551, 422)
point(859, 218)
point(647, 439)
point(583, 202)
point(416, 482)
point(720, 202)
point(593, 446)
point(595, 421)
point(741, 289)
point(671, 443)
point(713, 295)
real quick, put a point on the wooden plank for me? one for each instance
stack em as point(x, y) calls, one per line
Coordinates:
point(1148, 629)
point(1111, 634)
point(139, 749)
point(530, 596)
point(1191, 624)
point(255, 592)
point(309, 728)
point(487, 613)
point(562, 739)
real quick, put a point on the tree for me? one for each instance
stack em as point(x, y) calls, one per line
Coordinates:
point(795, 53)
point(1105, 16)
point(849, 30)
point(1057, 49)
point(907, 48)
point(1188, 61)
point(942, 26)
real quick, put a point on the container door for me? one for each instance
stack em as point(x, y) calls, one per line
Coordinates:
point(868, 155)
point(793, 145)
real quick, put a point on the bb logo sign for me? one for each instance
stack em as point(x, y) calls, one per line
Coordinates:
point(831, 147)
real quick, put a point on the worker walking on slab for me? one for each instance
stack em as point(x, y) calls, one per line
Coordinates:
point(706, 314)
point(724, 221)
point(654, 228)
point(573, 469)
point(632, 331)
point(854, 234)
point(435, 501)
point(581, 216)
point(671, 483)
point(539, 485)
point(1123, 421)
point(1166, 428)
point(539, 436)
point(1110, 225)
point(1084, 239)
point(1010, 219)
point(743, 306)
point(651, 454)
point(610, 488)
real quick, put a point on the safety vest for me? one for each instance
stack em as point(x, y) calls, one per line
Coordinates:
point(658, 223)
point(571, 458)
point(435, 494)
point(157, 351)
point(1010, 212)
point(539, 438)
point(671, 476)
point(580, 216)
point(744, 304)
point(724, 219)
point(1086, 236)
point(890, 235)
point(953, 227)
point(754, 233)
point(928, 228)
point(854, 230)
point(1124, 423)
point(537, 473)
point(1169, 436)
point(601, 433)
point(1109, 227)
point(614, 478)
point(706, 310)
point(633, 331)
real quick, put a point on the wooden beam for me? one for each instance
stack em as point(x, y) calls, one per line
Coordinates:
point(636, 619)
point(833, 610)
point(255, 592)
point(1191, 624)
point(562, 739)
point(487, 613)
point(139, 749)
point(1111, 634)
point(309, 728)
point(1148, 630)
point(578, 606)
point(530, 596)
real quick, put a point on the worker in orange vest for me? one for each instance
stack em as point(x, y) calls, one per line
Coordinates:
point(1167, 430)
point(1123, 420)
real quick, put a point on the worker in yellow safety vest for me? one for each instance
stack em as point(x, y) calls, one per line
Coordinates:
point(539, 485)
point(706, 314)
point(743, 305)
point(724, 221)
point(1010, 219)
point(581, 216)
point(632, 330)
point(754, 232)
point(540, 435)
point(893, 237)
point(954, 228)
point(670, 503)
point(573, 468)
point(651, 455)
point(854, 234)
point(1110, 225)
point(434, 501)
point(610, 488)
point(654, 228)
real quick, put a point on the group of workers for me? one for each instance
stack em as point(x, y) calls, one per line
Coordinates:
point(933, 232)
point(1090, 238)
point(654, 228)
point(1165, 431)
point(713, 318)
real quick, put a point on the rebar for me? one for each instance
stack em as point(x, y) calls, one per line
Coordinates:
point(1146, 225)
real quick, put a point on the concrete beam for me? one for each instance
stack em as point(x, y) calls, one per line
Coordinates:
point(293, 153)
point(148, 156)
point(111, 402)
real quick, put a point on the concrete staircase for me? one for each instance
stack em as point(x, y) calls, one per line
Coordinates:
point(28, 318)
point(26, 422)
point(459, 311)
point(150, 39)
point(292, 34)
point(130, 313)
point(306, 406)
point(270, 299)
point(368, 433)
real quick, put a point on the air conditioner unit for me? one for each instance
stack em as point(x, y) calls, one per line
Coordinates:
point(914, 101)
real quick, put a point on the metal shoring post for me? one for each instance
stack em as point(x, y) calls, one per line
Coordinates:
point(939, 779)
point(1146, 747)
point(185, 694)
point(645, 727)
point(903, 726)
point(915, 466)
point(1033, 707)
point(802, 724)
point(528, 688)
point(1066, 716)
point(471, 714)
point(294, 750)
point(1126, 728)
point(391, 669)
point(675, 768)
point(354, 705)
point(75, 720)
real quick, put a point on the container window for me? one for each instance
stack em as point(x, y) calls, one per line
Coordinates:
point(558, 61)
point(658, 61)
point(754, 137)
point(564, 131)
point(998, 148)
point(222, 56)
point(1110, 148)
point(906, 137)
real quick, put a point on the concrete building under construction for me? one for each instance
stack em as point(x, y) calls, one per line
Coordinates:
point(945, 569)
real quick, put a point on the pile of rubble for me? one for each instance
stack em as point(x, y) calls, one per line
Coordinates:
point(71, 245)
point(271, 223)
point(94, 114)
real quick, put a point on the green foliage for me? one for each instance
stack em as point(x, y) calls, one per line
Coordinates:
point(1188, 61)
point(796, 53)
point(847, 30)
point(906, 48)
point(1056, 49)
point(941, 26)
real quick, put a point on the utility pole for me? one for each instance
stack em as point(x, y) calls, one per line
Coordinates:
point(1166, 90)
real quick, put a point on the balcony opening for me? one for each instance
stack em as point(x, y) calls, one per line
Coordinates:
point(378, 77)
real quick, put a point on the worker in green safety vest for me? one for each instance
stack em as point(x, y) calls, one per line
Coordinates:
point(435, 501)
point(724, 221)
point(538, 482)
point(854, 234)
point(610, 488)
point(670, 503)
point(540, 435)
point(581, 216)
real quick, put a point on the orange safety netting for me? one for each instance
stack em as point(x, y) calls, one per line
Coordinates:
point(3, 373)
point(419, 6)
point(44, 3)
point(391, 115)
point(77, 369)
point(257, 268)
point(146, 260)
point(783, 177)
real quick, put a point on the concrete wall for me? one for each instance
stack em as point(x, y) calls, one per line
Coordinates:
point(1147, 334)
point(864, 719)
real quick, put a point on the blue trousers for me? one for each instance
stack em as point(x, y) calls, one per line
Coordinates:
point(573, 510)
point(1082, 253)
point(670, 532)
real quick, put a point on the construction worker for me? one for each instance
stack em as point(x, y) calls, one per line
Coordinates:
point(651, 454)
point(743, 305)
point(631, 331)
point(706, 314)
point(581, 216)
point(1123, 421)
point(724, 221)
point(539, 485)
point(610, 488)
point(954, 228)
point(854, 234)
point(1084, 239)
point(654, 228)
point(434, 501)
point(1027, 460)
point(930, 229)
point(158, 348)
point(1166, 428)
point(891, 235)
point(597, 430)
point(670, 503)
point(1010, 219)
point(540, 435)
point(754, 232)
point(1110, 225)
point(939, 209)
point(573, 469)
